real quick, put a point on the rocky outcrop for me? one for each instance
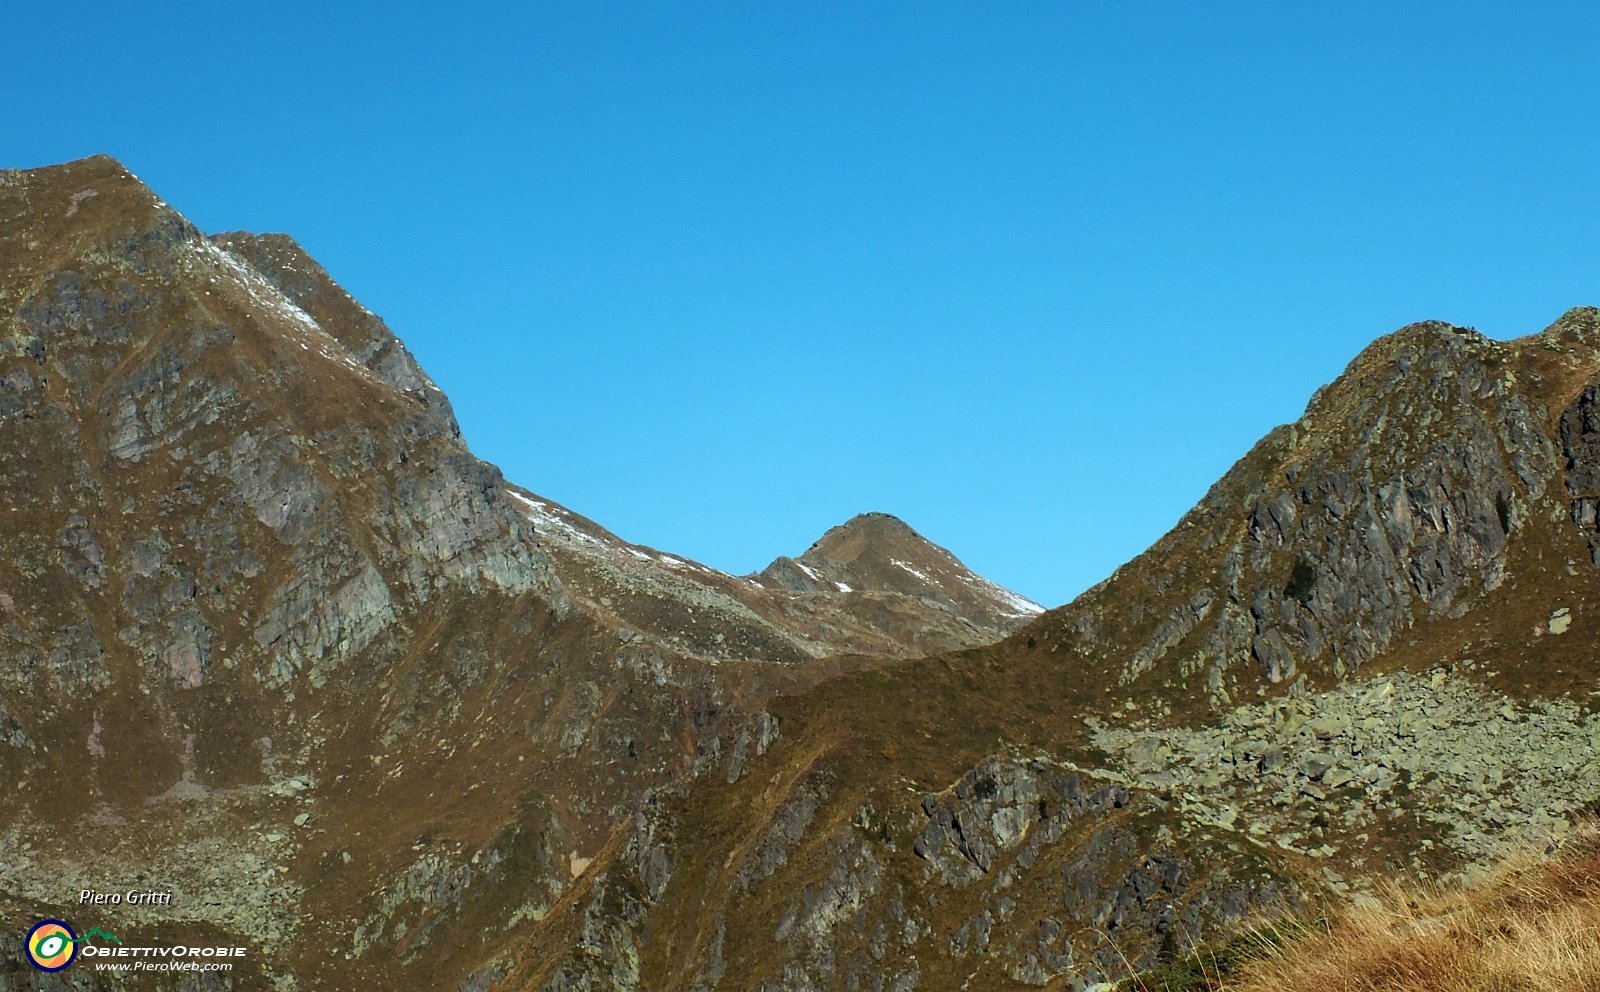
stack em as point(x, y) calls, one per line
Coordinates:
point(1382, 523)
point(1580, 443)
point(1393, 501)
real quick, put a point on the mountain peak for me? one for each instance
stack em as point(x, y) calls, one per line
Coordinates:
point(878, 554)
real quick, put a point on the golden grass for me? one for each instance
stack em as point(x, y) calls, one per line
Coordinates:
point(1532, 926)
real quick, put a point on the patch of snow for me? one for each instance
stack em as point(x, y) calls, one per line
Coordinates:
point(843, 587)
point(272, 299)
point(908, 568)
point(668, 559)
point(268, 295)
point(1010, 603)
point(809, 572)
point(1023, 606)
point(551, 524)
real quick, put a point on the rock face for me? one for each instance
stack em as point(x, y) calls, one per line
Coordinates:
point(306, 661)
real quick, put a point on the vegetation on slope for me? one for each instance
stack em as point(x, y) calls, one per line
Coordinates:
point(1533, 925)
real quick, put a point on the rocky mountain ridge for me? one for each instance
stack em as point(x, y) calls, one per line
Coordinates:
point(307, 662)
point(791, 611)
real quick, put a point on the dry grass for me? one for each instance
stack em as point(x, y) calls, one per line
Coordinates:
point(1534, 925)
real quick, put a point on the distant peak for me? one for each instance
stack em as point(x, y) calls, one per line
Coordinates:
point(862, 529)
point(881, 554)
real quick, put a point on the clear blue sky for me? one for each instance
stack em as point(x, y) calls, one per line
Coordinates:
point(721, 275)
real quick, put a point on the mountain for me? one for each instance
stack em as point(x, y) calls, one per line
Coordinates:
point(272, 639)
point(791, 611)
point(890, 565)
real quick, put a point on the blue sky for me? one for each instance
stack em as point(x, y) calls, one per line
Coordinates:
point(720, 275)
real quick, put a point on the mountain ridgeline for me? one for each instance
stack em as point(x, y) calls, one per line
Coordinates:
point(273, 639)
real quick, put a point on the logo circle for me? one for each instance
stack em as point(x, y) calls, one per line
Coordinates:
point(51, 945)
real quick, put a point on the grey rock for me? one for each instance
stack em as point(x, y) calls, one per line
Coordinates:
point(80, 554)
point(1313, 766)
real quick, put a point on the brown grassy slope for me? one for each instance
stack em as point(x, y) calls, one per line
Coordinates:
point(1533, 926)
